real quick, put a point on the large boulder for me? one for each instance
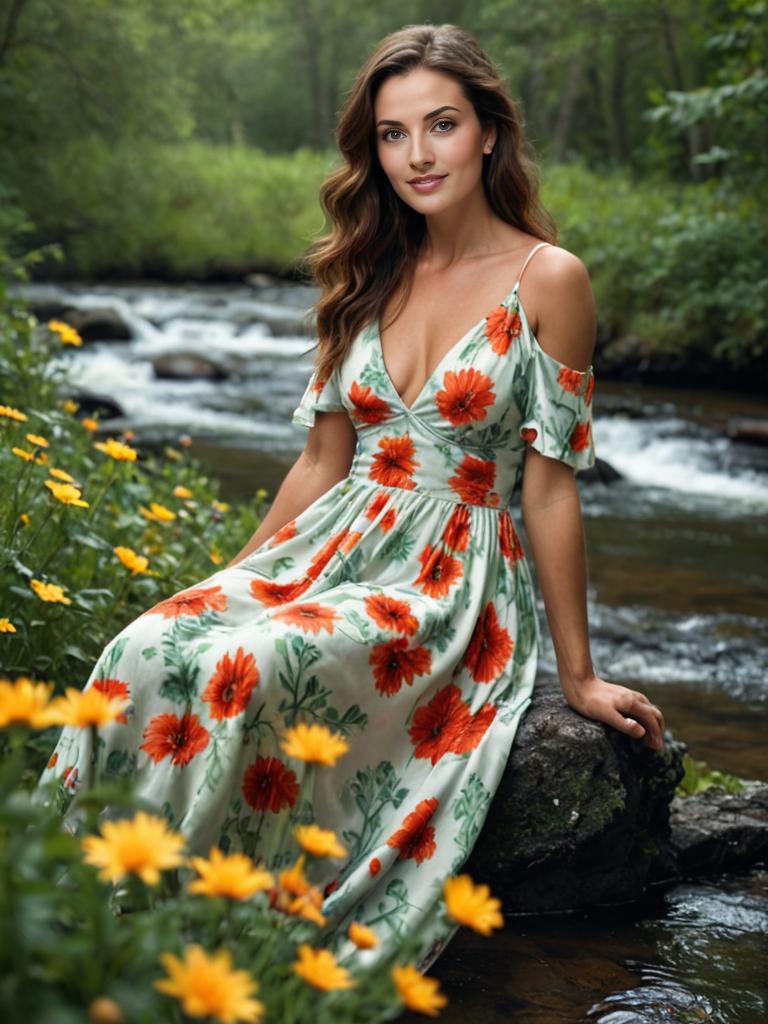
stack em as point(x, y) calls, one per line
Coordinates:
point(583, 816)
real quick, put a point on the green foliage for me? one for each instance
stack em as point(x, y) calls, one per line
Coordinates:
point(161, 507)
point(698, 776)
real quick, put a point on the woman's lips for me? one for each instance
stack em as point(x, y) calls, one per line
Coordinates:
point(428, 186)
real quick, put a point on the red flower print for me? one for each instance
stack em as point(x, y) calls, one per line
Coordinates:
point(389, 613)
point(52, 760)
point(311, 617)
point(489, 649)
point(590, 389)
point(501, 327)
point(395, 663)
point(394, 465)
point(69, 777)
point(353, 536)
point(474, 480)
point(180, 738)
point(269, 785)
point(326, 553)
point(190, 602)
point(319, 384)
point(529, 434)
point(229, 689)
point(368, 407)
point(416, 837)
point(465, 396)
point(437, 726)
point(375, 506)
point(374, 865)
point(570, 380)
point(113, 688)
point(473, 732)
point(509, 540)
point(271, 593)
point(439, 571)
point(580, 437)
point(284, 533)
point(456, 532)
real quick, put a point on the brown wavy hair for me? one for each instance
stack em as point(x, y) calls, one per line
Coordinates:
point(375, 237)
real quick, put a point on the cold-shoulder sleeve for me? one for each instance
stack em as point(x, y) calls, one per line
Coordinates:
point(556, 408)
point(319, 396)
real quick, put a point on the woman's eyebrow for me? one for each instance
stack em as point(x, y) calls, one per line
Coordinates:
point(426, 117)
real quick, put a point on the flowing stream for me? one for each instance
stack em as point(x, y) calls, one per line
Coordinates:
point(678, 606)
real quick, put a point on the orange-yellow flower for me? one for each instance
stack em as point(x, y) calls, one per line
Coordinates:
point(68, 335)
point(24, 702)
point(417, 991)
point(181, 492)
point(66, 493)
point(6, 626)
point(69, 406)
point(234, 877)
point(314, 743)
point(116, 450)
point(129, 558)
point(293, 879)
point(141, 846)
point(472, 905)
point(13, 414)
point(38, 440)
point(207, 986)
point(50, 592)
point(158, 513)
point(362, 936)
point(318, 841)
point(89, 423)
point(319, 968)
point(88, 707)
point(23, 453)
point(60, 474)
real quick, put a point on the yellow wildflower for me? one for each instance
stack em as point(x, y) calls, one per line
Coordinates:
point(129, 558)
point(362, 936)
point(25, 702)
point(67, 494)
point(314, 743)
point(308, 906)
point(472, 905)
point(220, 506)
point(13, 414)
point(158, 513)
point(23, 454)
point(38, 440)
point(90, 423)
point(215, 556)
point(262, 492)
point(141, 846)
point(6, 626)
point(24, 517)
point(181, 492)
point(50, 592)
point(417, 991)
point(42, 458)
point(235, 877)
point(318, 841)
point(116, 450)
point(61, 474)
point(103, 1010)
point(66, 332)
point(293, 879)
point(319, 968)
point(207, 986)
point(69, 406)
point(87, 707)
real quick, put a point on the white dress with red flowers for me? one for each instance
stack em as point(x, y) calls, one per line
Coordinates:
point(397, 609)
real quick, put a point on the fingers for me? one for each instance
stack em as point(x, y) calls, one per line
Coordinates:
point(650, 717)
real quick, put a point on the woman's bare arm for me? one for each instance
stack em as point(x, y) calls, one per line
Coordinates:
point(326, 459)
point(551, 511)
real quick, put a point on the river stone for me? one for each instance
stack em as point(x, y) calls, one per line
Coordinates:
point(99, 324)
point(714, 831)
point(581, 815)
point(181, 365)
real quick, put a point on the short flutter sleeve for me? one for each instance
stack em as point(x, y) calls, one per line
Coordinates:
point(319, 396)
point(556, 409)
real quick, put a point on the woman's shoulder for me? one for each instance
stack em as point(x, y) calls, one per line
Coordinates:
point(556, 293)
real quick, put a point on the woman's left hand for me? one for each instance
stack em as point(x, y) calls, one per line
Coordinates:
point(627, 710)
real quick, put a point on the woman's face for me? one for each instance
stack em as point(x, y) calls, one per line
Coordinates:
point(425, 126)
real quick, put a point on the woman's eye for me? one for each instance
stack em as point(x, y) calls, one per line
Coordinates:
point(445, 120)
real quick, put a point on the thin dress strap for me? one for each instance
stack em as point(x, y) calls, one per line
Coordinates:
point(527, 258)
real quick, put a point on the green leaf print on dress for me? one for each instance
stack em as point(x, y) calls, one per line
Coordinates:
point(397, 609)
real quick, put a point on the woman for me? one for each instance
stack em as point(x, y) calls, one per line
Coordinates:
point(386, 593)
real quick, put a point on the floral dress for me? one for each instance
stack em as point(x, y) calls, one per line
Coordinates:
point(397, 609)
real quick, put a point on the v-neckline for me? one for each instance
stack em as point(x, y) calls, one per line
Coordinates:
point(450, 351)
